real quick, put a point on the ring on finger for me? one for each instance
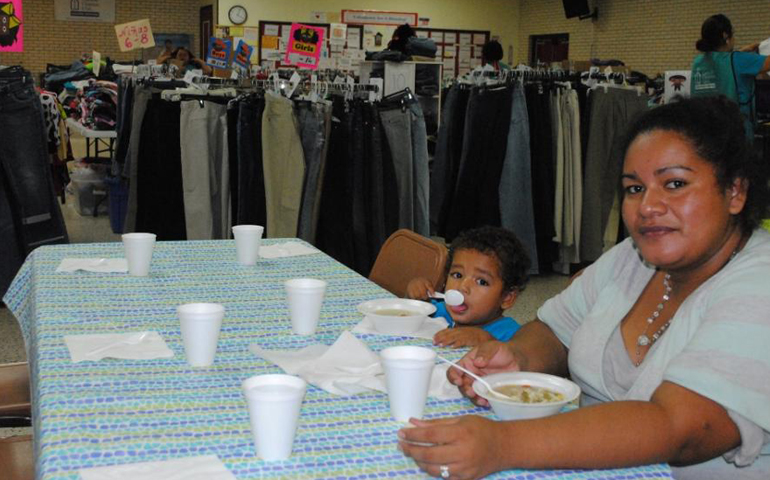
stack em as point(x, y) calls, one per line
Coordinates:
point(444, 469)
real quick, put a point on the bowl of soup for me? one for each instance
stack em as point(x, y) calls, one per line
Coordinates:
point(396, 316)
point(528, 394)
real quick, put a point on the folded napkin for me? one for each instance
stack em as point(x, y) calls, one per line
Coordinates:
point(346, 368)
point(287, 249)
point(103, 265)
point(426, 331)
point(137, 346)
point(205, 467)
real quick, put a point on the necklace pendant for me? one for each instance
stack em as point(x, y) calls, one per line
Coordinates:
point(643, 340)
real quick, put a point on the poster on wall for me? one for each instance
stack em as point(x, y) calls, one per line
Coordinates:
point(133, 35)
point(168, 43)
point(304, 48)
point(218, 53)
point(242, 57)
point(85, 10)
point(677, 85)
point(11, 27)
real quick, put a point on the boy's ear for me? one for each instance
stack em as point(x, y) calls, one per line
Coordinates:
point(508, 299)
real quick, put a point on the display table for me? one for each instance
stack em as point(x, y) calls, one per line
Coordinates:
point(124, 411)
point(94, 138)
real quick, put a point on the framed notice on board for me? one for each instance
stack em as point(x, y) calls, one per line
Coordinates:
point(85, 10)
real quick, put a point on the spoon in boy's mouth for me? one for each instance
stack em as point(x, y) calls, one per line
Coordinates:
point(451, 297)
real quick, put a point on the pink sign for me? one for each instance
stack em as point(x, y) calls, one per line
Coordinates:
point(11, 27)
point(304, 49)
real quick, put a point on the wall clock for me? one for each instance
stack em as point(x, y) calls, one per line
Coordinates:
point(237, 15)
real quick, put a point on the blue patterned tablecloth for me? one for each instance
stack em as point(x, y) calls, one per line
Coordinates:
point(122, 411)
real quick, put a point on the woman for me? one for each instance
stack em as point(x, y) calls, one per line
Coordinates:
point(492, 55)
point(667, 333)
point(185, 58)
point(720, 71)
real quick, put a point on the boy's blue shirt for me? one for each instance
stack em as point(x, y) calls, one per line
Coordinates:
point(502, 329)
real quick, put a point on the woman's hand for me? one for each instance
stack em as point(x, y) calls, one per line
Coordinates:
point(487, 358)
point(754, 47)
point(469, 446)
point(419, 289)
point(461, 337)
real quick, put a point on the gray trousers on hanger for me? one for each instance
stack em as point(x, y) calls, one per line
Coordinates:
point(314, 126)
point(420, 170)
point(205, 170)
point(398, 130)
point(516, 209)
point(611, 113)
point(283, 164)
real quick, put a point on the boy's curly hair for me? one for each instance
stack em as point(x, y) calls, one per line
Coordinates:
point(504, 246)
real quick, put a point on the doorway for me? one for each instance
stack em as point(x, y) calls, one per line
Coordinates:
point(206, 21)
point(545, 49)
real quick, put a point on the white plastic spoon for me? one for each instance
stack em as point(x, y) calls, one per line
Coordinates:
point(483, 382)
point(135, 340)
point(451, 297)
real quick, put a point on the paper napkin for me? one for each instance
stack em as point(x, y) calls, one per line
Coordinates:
point(426, 331)
point(103, 265)
point(287, 249)
point(205, 467)
point(346, 368)
point(136, 346)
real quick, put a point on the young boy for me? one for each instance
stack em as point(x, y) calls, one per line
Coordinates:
point(489, 266)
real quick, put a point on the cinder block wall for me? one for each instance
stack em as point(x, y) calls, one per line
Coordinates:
point(650, 36)
point(47, 40)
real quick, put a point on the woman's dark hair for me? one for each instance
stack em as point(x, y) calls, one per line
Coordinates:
point(714, 127)
point(504, 246)
point(712, 33)
point(401, 36)
point(492, 51)
point(177, 50)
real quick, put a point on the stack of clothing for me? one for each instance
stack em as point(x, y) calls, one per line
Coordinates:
point(98, 105)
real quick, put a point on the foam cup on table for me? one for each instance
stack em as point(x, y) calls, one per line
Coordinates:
point(247, 240)
point(200, 324)
point(274, 403)
point(305, 297)
point(138, 248)
point(408, 372)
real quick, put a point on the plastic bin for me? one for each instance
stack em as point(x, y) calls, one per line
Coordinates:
point(90, 192)
point(118, 203)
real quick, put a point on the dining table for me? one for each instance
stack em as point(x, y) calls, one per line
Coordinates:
point(120, 411)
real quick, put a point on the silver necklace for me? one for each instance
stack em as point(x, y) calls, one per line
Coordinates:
point(643, 340)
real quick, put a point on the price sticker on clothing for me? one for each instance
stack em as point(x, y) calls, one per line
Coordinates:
point(133, 35)
point(304, 47)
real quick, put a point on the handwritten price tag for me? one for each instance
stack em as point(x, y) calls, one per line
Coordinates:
point(133, 35)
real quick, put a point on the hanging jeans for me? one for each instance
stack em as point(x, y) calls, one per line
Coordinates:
point(142, 96)
point(314, 123)
point(611, 113)
point(29, 212)
point(397, 123)
point(252, 207)
point(284, 166)
point(476, 199)
point(420, 170)
point(159, 196)
point(516, 210)
point(205, 170)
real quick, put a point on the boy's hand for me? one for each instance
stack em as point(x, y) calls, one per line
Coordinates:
point(419, 289)
point(461, 337)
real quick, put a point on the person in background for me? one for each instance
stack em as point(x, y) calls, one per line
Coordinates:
point(401, 37)
point(667, 333)
point(492, 55)
point(489, 266)
point(721, 71)
point(185, 60)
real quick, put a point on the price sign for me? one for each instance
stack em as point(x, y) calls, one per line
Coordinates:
point(133, 35)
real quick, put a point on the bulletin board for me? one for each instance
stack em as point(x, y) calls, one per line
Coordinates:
point(460, 50)
point(274, 35)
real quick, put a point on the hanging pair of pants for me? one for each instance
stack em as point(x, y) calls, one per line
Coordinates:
point(284, 166)
point(314, 121)
point(476, 199)
point(29, 212)
point(159, 197)
point(516, 210)
point(205, 170)
point(612, 111)
point(142, 96)
point(252, 206)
